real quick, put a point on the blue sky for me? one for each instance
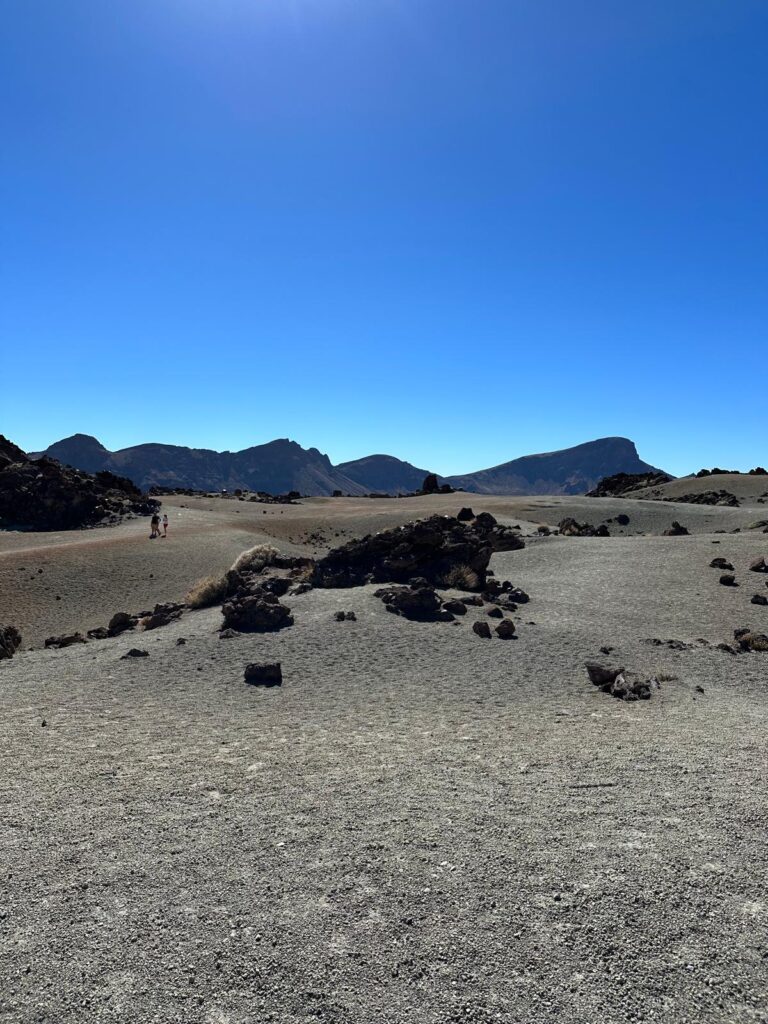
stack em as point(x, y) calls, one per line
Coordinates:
point(453, 231)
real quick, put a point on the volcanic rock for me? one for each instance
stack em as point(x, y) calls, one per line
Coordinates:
point(162, 615)
point(568, 527)
point(44, 495)
point(120, 622)
point(10, 637)
point(465, 514)
point(421, 604)
point(759, 565)
point(66, 640)
point(256, 612)
point(264, 674)
point(728, 580)
point(135, 652)
point(482, 629)
point(721, 563)
point(675, 530)
point(505, 629)
point(440, 550)
point(759, 599)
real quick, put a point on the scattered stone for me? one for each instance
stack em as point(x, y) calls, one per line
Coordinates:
point(721, 497)
point(345, 616)
point(66, 640)
point(465, 514)
point(135, 652)
point(622, 519)
point(606, 650)
point(228, 634)
point(265, 674)
point(162, 615)
point(181, 641)
point(568, 527)
point(495, 612)
point(759, 565)
point(674, 645)
point(482, 629)
point(721, 563)
point(120, 622)
point(100, 633)
point(420, 604)
point(10, 641)
point(728, 580)
point(676, 530)
point(472, 600)
point(505, 629)
point(699, 689)
point(455, 607)
point(759, 599)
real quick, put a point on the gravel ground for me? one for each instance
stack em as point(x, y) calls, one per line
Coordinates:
point(419, 825)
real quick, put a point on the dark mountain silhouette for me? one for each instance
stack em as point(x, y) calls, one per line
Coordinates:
point(277, 467)
point(384, 474)
point(283, 465)
point(570, 471)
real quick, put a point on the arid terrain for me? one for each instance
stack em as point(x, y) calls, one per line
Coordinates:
point(419, 825)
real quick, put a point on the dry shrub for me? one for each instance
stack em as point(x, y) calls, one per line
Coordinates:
point(463, 577)
point(255, 559)
point(207, 591)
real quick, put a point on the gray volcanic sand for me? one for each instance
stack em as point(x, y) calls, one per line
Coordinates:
point(420, 825)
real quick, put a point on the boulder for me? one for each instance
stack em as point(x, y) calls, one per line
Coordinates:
point(430, 485)
point(10, 637)
point(100, 633)
point(749, 641)
point(482, 629)
point(455, 607)
point(120, 622)
point(495, 613)
point(759, 599)
point(135, 652)
point(758, 565)
point(616, 682)
point(505, 629)
point(465, 514)
point(728, 580)
point(264, 674)
point(256, 612)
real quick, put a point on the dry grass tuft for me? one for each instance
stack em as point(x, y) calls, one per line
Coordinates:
point(462, 577)
point(255, 559)
point(208, 591)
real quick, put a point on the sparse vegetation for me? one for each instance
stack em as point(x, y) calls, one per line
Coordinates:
point(463, 577)
point(210, 590)
point(256, 558)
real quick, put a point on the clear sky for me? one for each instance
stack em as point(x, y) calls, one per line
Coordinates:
point(456, 231)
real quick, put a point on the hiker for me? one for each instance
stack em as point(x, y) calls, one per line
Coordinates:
point(165, 525)
point(155, 526)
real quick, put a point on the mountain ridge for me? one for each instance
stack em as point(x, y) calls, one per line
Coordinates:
point(284, 465)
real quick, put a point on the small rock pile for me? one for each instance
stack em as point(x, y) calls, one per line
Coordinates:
point(615, 681)
point(568, 527)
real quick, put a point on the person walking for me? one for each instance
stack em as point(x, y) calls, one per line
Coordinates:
point(155, 526)
point(165, 525)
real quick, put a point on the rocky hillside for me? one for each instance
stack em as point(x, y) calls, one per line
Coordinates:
point(384, 474)
point(570, 471)
point(44, 495)
point(281, 466)
point(277, 467)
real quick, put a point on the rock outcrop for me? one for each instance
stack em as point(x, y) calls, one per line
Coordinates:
point(441, 550)
point(44, 495)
